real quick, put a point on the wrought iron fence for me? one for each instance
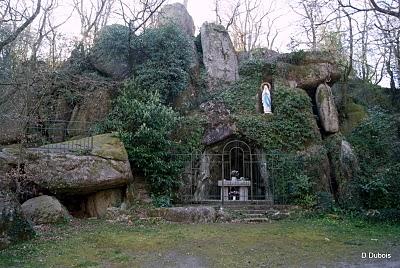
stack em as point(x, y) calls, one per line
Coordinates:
point(59, 136)
point(259, 178)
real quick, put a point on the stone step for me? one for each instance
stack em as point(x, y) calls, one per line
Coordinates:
point(233, 203)
point(247, 211)
point(252, 215)
point(250, 220)
point(260, 207)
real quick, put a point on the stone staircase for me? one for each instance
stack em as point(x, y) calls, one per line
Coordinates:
point(258, 212)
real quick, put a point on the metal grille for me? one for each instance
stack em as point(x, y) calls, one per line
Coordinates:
point(58, 136)
point(237, 174)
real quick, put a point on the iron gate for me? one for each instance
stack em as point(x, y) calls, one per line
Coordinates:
point(237, 174)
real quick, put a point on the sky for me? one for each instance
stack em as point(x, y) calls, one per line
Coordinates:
point(202, 11)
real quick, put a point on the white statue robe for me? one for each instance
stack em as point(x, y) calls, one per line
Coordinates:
point(266, 100)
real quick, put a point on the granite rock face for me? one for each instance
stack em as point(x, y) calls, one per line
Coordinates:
point(327, 111)
point(177, 14)
point(98, 203)
point(306, 70)
point(220, 125)
point(95, 107)
point(219, 56)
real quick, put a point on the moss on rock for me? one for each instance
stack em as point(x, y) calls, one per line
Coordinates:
point(290, 128)
point(353, 116)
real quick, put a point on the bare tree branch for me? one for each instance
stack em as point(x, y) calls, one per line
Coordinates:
point(21, 28)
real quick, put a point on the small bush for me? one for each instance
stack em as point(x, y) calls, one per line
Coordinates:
point(378, 148)
point(162, 61)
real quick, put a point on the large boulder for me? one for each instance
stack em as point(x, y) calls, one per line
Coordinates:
point(45, 209)
point(258, 53)
point(307, 70)
point(13, 225)
point(186, 214)
point(110, 52)
point(327, 111)
point(176, 13)
point(98, 203)
point(219, 56)
point(67, 171)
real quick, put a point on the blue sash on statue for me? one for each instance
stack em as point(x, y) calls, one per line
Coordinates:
point(267, 100)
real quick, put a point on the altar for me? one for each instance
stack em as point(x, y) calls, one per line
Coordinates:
point(236, 190)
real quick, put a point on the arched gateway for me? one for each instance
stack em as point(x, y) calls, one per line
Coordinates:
point(226, 173)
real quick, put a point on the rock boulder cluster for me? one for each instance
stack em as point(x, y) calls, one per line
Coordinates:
point(95, 181)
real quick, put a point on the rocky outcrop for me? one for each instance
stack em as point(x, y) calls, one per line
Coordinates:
point(110, 52)
point(306, 69)
point(138, 192)
point(94, 107)
point(263, 53)
point(62, 172)
point(203, 180)
point(186, 214)
point(327, 111)
point(98, 203)
point(348, 160)
point(219, 56)
point(344, 168)
point(220, 125)
point(13, 225)
point(45, 209)
point(317, 167)
point(177, 14)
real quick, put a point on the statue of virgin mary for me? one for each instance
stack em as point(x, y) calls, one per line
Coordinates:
point(266, 97)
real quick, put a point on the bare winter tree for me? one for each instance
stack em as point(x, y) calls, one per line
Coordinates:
point(386, 16)
point(138, 14)
point(10, 13)
point(315, 14)
point(44, 28)
point(93, 16)
point(248, 21)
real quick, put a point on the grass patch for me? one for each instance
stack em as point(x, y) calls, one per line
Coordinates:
point(303, 241)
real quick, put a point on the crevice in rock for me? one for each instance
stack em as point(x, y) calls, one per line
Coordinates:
point(333, 181)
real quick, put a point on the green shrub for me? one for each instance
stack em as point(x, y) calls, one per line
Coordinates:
point(162, 61)
point(377, 145)
point(151, 133)
point(251, 67)
point(296, 57)
point(113, 42)
point(291, 184)
point(145, 126)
